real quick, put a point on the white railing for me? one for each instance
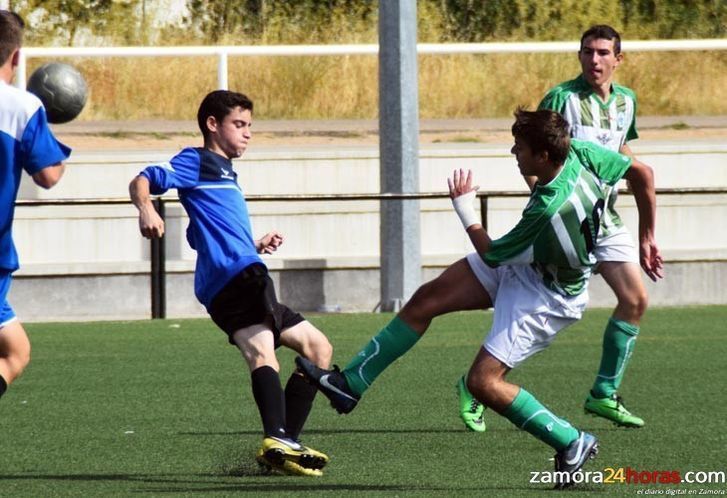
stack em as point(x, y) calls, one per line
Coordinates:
point(223, 52)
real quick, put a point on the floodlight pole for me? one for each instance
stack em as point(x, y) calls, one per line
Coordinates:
point(399, 152)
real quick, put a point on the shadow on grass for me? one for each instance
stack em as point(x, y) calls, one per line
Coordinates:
point(280, 488)
point(322, 432)
point(168, 484)
point(340, 431)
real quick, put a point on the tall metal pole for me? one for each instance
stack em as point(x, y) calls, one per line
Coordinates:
point(399, 152)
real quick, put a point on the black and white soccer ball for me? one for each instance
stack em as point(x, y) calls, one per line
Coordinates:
point(62, 90)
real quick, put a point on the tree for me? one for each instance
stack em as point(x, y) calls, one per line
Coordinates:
point(64, 19)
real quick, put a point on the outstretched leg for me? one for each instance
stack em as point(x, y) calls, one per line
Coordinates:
point(456, 289)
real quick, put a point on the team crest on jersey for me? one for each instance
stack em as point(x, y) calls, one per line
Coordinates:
point(621, 120)
point(603, 138)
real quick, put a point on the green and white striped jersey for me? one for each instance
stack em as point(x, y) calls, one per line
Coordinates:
point(609, 124)
point(561, 221)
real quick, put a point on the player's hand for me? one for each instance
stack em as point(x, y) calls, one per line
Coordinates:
point(269, 243)
point(151, 224)
point(463, 196)
point(651, 260)
point(461, 183)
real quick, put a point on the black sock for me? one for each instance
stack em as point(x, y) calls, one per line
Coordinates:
point(269, 398)
point(299, 396)
point(3, 386)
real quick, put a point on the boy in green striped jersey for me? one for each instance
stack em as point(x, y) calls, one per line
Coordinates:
point(535, 277)
point(601, 112)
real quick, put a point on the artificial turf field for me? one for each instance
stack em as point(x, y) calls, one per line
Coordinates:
point(164, 408)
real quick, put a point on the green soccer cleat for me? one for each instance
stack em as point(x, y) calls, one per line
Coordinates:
point(613, 409)
point(471, 411)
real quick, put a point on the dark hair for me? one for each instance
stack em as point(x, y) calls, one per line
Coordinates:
point(543, 130)
point(219, 104)
point(11, 34)
point(603, 32)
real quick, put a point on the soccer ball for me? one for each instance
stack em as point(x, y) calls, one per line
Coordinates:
point(62, 90)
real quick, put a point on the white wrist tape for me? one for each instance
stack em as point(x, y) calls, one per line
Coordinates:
point(465, 209)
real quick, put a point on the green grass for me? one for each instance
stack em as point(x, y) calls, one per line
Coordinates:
point(163, 408)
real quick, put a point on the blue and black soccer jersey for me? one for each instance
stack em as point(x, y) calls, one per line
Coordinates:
point(219, 224)
point(26, 143)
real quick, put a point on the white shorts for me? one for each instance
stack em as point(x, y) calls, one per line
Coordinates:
point(617, 247)
point(527, 314)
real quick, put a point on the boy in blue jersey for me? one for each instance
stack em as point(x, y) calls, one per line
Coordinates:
point(26, 143)
point(231, 280)
point(535, 278)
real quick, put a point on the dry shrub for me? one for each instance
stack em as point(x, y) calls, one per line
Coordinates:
point(346, 87)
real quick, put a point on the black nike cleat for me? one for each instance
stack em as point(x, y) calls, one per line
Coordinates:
point(574, 456)
point(332, 383)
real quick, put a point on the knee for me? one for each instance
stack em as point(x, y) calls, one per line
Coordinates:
point(25, 357)
point(633, 303)
point(22, 361)
point(258, 354)
point(313, 344)
point(422, 307)
point(256, 359)
point(321, 352)
point(16, 360)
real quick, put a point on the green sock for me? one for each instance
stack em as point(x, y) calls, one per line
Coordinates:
point(619, 340)
point(393, 341)
point(528, 414)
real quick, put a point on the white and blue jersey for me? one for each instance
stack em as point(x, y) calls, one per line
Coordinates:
point(219, 224)
point(26, 143)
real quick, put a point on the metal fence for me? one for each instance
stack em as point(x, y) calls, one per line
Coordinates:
point(157, 270)
point(222, 53)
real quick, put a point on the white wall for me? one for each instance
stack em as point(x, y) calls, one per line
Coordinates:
point(77, 241)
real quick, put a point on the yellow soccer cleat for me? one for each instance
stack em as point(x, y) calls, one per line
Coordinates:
point(319, 459)
point(285, 466)
point(277, 450)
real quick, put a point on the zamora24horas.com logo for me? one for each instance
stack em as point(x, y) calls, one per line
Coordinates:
point(628, 475)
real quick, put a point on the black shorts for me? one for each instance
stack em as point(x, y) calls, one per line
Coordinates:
point(249, 299)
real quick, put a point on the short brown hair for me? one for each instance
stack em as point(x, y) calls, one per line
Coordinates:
point(219, 104)
point(543, 130)
point(11, 34)
point(603, 32)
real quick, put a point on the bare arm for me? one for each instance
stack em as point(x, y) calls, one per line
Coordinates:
point(48, 177)
point(479, 238)
point(641, 179)
point(151, 224)
point(626, 150)
point(462, 194)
